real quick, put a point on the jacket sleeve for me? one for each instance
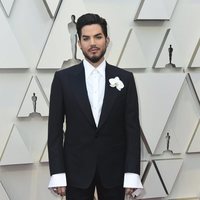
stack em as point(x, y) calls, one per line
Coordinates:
point(132, 162)
point(55, 127)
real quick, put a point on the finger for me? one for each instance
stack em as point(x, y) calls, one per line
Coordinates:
point(129, 191)
point(61, 191)
point(54, 190)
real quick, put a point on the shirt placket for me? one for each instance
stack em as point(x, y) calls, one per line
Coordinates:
point(95, 95)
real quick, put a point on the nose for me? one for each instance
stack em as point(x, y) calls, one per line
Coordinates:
point(92, 41)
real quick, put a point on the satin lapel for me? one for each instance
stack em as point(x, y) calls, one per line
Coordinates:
point(109, 97)
point(80, 91)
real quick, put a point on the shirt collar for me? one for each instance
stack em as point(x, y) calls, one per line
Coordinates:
point(89, 68)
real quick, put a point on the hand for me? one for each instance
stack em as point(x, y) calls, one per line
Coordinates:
point(60, 191)
point(129, 191)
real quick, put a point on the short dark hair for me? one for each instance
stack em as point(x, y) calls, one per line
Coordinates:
point(89, 19)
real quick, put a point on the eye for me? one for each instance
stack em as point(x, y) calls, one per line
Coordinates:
point(85, 38)
point(99, 37)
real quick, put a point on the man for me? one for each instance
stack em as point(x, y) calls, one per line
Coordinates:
point(101, 144)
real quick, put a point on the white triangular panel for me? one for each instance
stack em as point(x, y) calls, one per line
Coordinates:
point(46, 81)
point(13, 85)
point(15, 151)
point(196, 82)
point(156, 10)
point(153, 187)
point(156, 103)
point(144, 153)
point(52, 6)
point(45, 157)
point(133, 56)
point(169, 170)
point(11, 55)
point(27, 104)
point(7, 4)
point(3, 194)
point(169, 7)
point(143, 166)
point(182, 121)
point(194, 146)
point(58, 47)
point(4, 133)
point(177, 57)
point(35, 138)
point(196, 56)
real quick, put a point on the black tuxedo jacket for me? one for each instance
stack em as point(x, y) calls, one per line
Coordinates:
point(112, 148)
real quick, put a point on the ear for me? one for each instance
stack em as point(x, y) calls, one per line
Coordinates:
point(79, 44)
point(107, 41)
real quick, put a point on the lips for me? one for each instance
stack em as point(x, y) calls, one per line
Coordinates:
point(93, 50)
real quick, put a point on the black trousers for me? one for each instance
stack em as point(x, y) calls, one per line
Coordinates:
point(115, 193)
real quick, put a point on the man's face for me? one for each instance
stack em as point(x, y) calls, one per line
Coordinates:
point(93, 43)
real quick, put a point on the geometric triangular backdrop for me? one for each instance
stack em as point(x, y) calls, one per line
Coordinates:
point(144, 152)
point(44, 157)
point(155, 9)
point(153, 187)
point(58, 42)
point(143, 167)
point(11, 55)
point(155, 103)
point(33, 130)
point(52, 6)
point(46, 81)
point(169, 170)
point(3, 194)
point(15, 151)
point(27, 106)
point(163, 53)
point(195, 78)
point(169, 142)
point(7, 5)
point(181, 123)
point(195, 60)
point(194, 146)
point(132, 55)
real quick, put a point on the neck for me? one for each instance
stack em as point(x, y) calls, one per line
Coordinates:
point(95, 65)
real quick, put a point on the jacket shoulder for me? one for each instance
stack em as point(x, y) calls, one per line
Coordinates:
point(70, 70)
point(120, 71)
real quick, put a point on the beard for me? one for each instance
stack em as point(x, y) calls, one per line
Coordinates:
point(94, 58)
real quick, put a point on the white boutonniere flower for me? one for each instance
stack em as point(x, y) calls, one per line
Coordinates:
point(116, 82)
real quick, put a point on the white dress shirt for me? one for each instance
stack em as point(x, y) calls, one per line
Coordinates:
point(95, 84)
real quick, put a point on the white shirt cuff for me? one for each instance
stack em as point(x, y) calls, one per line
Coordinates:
point(57, 180)
point(132, 180)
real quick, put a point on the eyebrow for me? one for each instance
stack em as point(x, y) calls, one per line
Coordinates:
point(98, 34)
